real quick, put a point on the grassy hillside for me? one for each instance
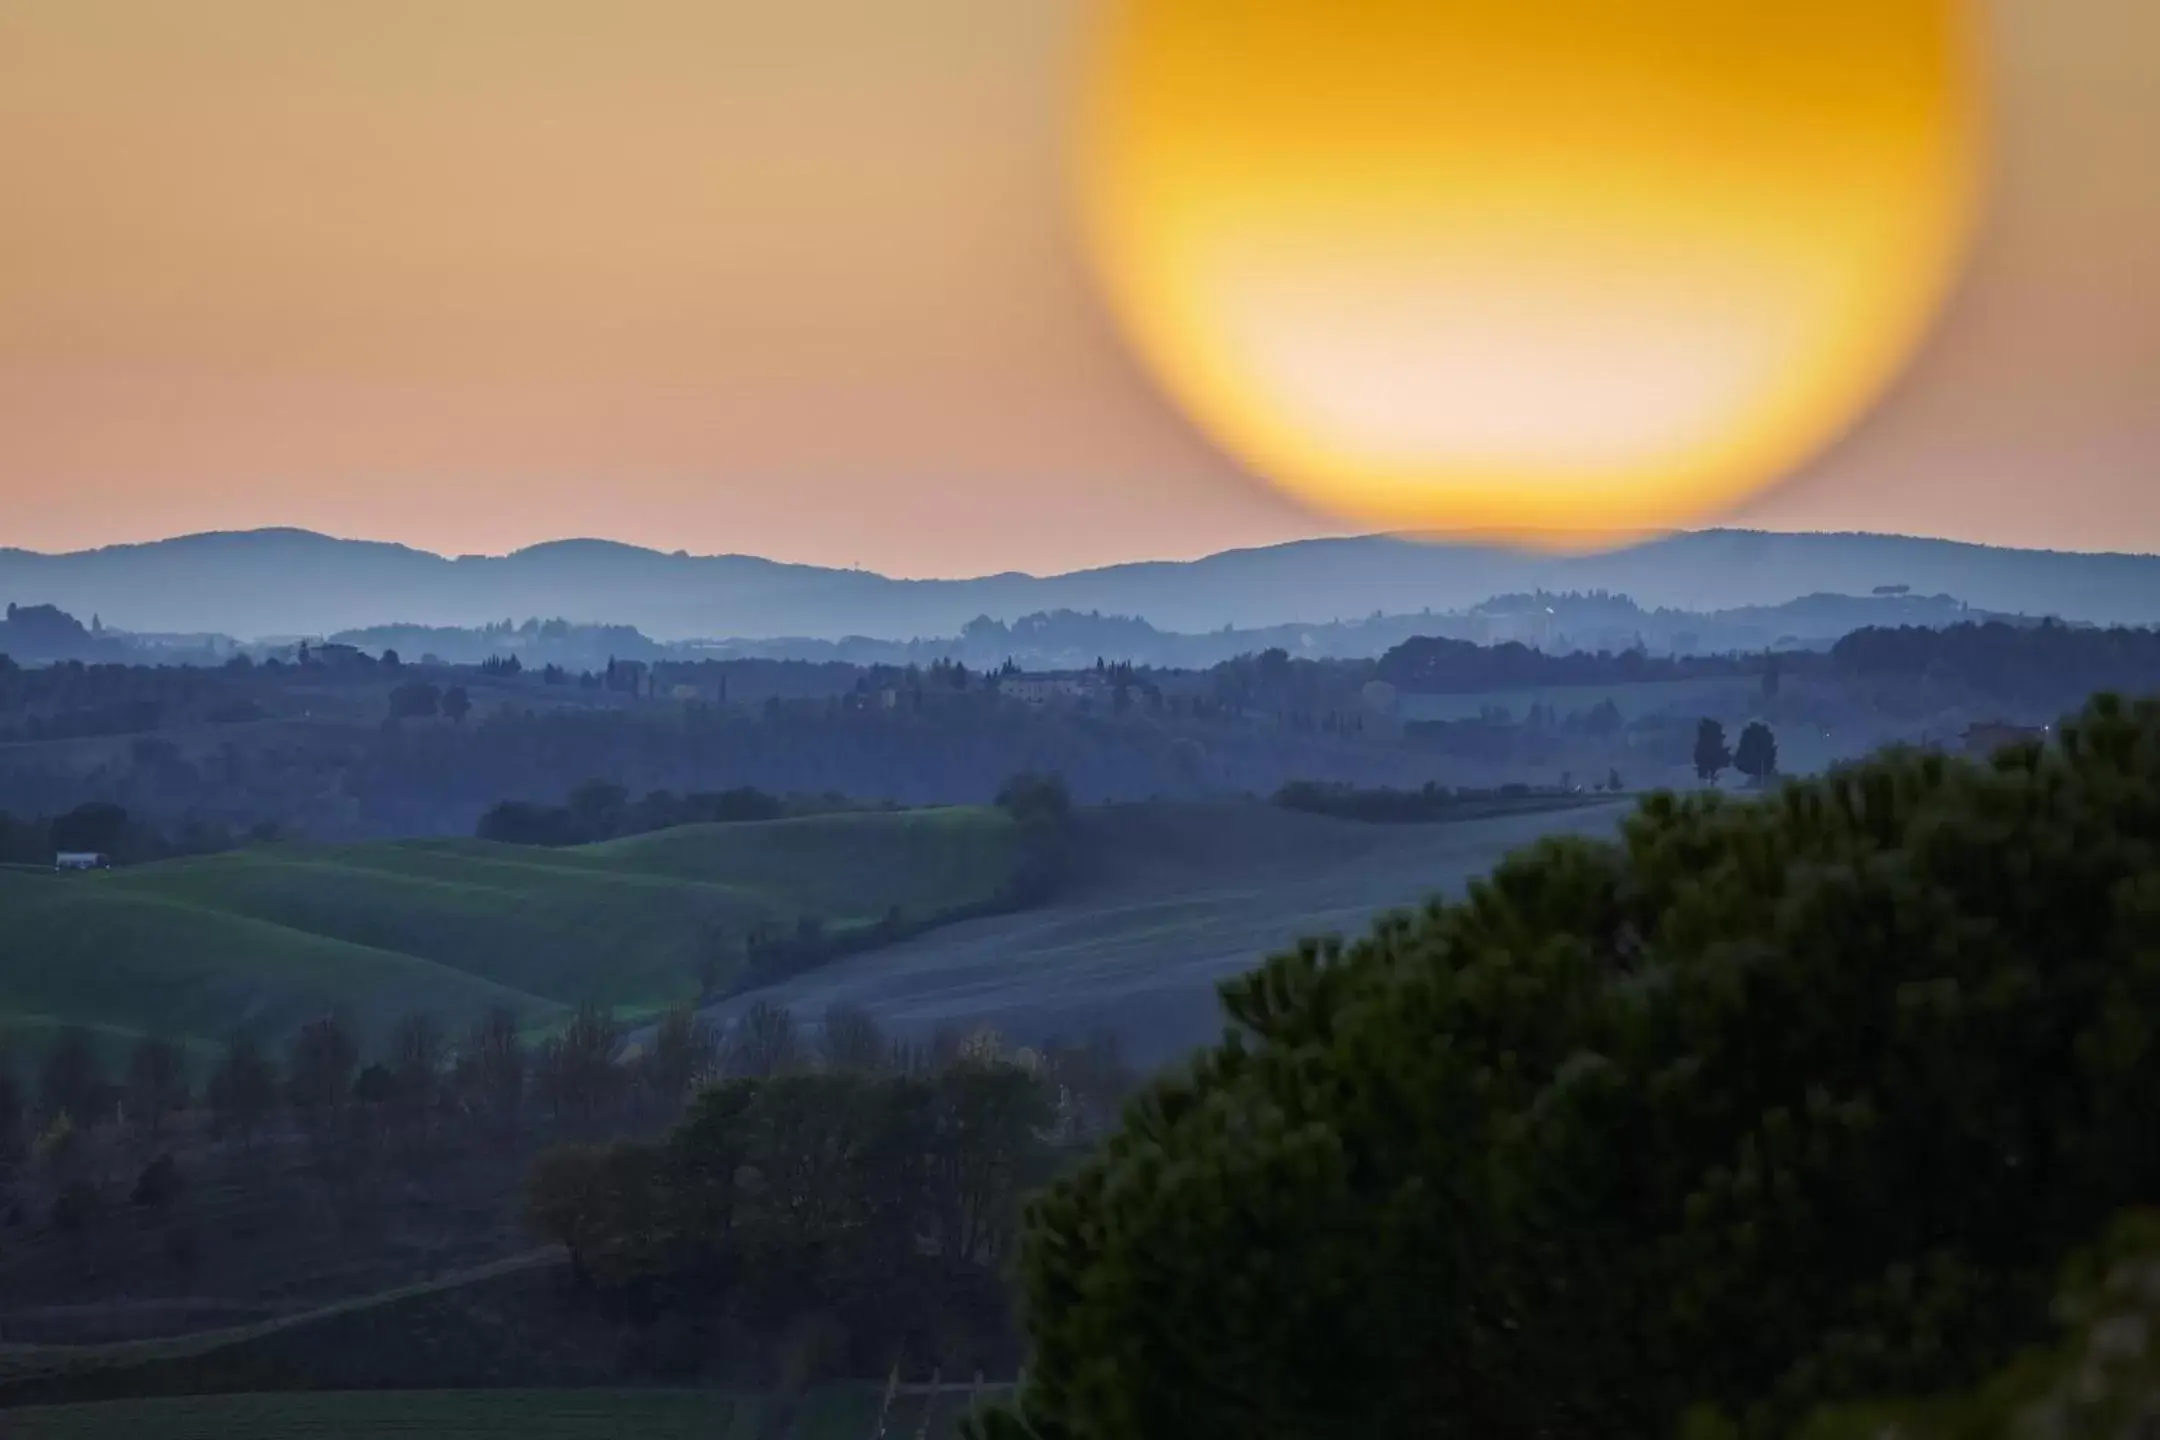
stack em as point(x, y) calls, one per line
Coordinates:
point(1164, 901)
point(272, 936)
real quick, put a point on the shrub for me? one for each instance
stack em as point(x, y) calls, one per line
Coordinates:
point(158, 1186)
point(77, 1207)
point(1764, 1105)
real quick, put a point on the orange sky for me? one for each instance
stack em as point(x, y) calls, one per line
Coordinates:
point(798, 279)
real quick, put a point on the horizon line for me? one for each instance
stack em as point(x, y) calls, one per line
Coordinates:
point(1480, 539)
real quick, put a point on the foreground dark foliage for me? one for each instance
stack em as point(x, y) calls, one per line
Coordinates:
point(1765, 1106)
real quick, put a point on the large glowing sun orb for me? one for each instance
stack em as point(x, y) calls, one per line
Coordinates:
point(1554, 268)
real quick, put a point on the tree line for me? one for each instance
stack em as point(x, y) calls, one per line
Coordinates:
point(1432, 802)
point(858, 1190)
point(835, 1177)
point(1435, 664)
point(101, 828)
point(423, 1092)
point(602, 810)
point(2032, 667)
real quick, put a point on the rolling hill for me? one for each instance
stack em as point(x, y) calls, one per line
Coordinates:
point(1166, 901)
point(273, 936)
point(291, 582)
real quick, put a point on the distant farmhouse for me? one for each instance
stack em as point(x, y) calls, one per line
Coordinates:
point(81, 860)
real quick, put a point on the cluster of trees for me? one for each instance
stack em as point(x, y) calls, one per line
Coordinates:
point(97, 827)
point(806, 1175)
point(1756, 756)
point(835, 1174)
point(73, 1090)
point(1437, 665)
point(1764, 1106)
point(2029, 668)
point(421, 1091)
point(319, 1084)
point(1433, 802)
point(334, 780)
point(600, 810)
point(48, 633)
point(1042, 809)
point(531, 644)
point(422, 699)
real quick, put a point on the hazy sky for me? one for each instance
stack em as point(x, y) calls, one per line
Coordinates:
point(799, 279)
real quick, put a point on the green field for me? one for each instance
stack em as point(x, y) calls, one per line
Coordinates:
point(832, 1413)
point(273, 936)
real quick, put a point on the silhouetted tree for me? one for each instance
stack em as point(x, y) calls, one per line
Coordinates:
point(416, 1068)
point(158, 1185)
point(157, 1085)
point(575, 1070)
point(243, 1089)
point(989, 1117)
point(319, 1072)
point(491, 1068)
point(72, 1080)
point(1757, 756)
point(415, 700)
point(79, 1206)
point(599, 1203)
point(14, 1139)
point(98, 827)
point(456, 704)
point(763, 1042)
point(1712, 757)
point(683, 1052)
point(851, 1040)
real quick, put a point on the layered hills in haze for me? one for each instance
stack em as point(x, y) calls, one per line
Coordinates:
point(289, 582)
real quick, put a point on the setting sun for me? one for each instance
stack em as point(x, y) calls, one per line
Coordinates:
point(1556, 268)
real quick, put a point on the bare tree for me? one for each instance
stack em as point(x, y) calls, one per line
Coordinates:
point(243, 1089)
point(72, 1081)
point(684, 1051)
point(762, 1043)
point(156, 1084)
point(491, 1067)
point(319, 1076)
point(852, 1040)
point(416, 1068)
point(578, 1067)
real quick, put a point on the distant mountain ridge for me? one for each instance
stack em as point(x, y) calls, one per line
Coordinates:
point(293, 582)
